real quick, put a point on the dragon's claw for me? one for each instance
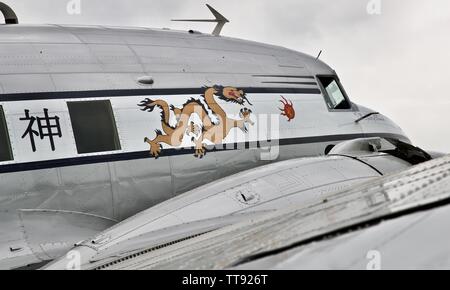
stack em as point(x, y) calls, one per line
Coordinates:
point(200, 152)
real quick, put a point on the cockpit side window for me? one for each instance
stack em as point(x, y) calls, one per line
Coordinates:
point(5, 144)
point(94, 126)
point(334, 94)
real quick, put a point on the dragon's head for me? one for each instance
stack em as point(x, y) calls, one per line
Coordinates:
point(231, 94)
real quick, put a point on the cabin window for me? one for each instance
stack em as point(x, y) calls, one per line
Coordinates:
point(5, 144)
point(334, 94)
point(94, 126)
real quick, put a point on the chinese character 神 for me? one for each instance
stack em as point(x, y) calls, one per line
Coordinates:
point(47, 127)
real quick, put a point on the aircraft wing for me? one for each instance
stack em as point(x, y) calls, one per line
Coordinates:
point(416, 241)
point(42, 235)
point(361, 208)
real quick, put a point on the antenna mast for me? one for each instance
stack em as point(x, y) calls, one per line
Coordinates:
point(220, 20)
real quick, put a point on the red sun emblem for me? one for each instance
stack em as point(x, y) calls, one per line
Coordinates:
point(288, 109)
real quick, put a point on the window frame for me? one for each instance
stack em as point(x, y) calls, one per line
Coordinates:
point(114, 124)
point(7, 135)
point(327, 97)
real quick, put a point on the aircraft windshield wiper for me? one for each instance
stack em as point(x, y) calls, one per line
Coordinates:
point(366, 116)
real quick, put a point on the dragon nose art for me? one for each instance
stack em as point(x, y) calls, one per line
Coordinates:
point(288, 109)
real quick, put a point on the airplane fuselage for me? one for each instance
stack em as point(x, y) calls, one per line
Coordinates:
point(108, 122)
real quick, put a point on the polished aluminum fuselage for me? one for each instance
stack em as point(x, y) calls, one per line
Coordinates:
point(44, 67)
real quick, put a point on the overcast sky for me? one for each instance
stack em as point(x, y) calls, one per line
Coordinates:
point(395, 62)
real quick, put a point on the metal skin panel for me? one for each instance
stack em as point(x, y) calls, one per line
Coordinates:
point(179, 59)
point(375, 123)
point(42, 235)
point(415, 242)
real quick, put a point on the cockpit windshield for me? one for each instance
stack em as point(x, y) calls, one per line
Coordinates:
point(334, 95)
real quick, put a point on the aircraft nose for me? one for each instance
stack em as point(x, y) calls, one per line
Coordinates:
point(76, 259)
